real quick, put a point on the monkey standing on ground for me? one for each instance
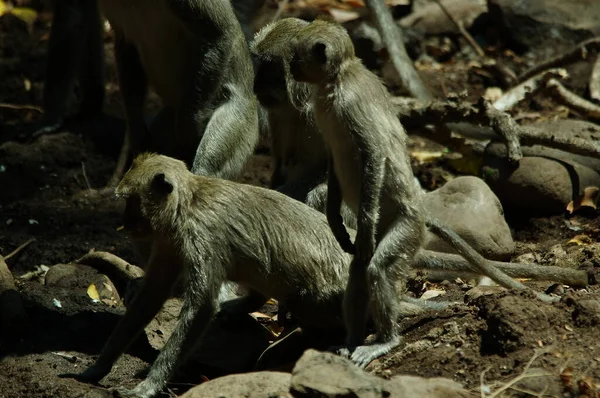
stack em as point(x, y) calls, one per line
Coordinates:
point(207, 231)
point(369, 169)
point(194, 54)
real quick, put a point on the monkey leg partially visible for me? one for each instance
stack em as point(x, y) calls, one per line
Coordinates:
point(388, 266)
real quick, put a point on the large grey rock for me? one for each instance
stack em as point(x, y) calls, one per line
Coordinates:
point(322, 374)
point(535, 21)
point(79, 278)
point(472, 210)
point(538, 186)
point(256, 384)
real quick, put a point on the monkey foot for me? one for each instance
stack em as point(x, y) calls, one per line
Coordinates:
point(362, 355)
point(143, 390)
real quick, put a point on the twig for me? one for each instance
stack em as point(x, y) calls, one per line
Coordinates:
point(280, 8)
point(415, 114)
point(482, 380)
point(19, 107)
point(461, 28)
point(532, 85)
point(530, 135)
point(572, 100)
point(85, 177)
point(391, 35)
point(121, 161)
point(18, 249)
point(581, 51)
point(523, 374)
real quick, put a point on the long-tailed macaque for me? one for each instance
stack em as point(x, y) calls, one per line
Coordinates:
point(369, 170)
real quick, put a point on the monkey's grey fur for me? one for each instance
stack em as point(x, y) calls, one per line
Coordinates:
point(198, 62)
point(298, 150)
point(207, 231)
point(369, 169)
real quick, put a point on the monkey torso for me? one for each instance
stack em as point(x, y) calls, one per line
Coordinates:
point(169, 51)
point(287, 252)
point(296, 144)
point(356, 108)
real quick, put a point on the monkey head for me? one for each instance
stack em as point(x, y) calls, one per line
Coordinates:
point(150, 190)
point(319, 52)
point(270, 52)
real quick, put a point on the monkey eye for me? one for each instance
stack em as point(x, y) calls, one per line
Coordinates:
point(256, 61)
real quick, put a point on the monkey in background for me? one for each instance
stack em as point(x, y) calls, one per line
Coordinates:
point(298, 150)
point(75, 49)
point(196, 58)
point(369, 170)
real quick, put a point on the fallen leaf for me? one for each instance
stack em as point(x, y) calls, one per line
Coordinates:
point(587, 199)
point(426, 156)
point(93, 292)
point(580, 240)
point(342, 16)
point(432, 293)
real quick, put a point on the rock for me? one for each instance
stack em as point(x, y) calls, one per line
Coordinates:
point(565, 128)
point(80, 277)
point(516, 320)
point(255, 384)
point(322, 374)
point(12, 311)
point(470, 208)
point(532, 22)
point(537, 186)
point(431, 20)
point(586, 311)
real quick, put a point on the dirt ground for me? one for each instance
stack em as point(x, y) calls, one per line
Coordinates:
point(47, 192)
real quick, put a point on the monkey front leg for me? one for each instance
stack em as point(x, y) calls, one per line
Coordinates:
point(356, 297)
point(333, 207)
point(161, 275)
point(200, 305)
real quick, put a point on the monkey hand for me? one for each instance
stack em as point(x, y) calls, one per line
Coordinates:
point(93, 374)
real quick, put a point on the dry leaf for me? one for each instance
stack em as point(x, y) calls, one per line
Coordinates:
point(342, 16)
point(93, 292)
point(580, 240)
point(431, 294)
point(587, 199)
point(426, 156)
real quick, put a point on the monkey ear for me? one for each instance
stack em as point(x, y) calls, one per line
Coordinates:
point(161, 184)
point(319, 52)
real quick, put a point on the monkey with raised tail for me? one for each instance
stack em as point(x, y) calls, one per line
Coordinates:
point(369, 170)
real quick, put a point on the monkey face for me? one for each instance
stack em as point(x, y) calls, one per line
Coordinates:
point(308, 63)
point(319, 50)
point(269, 82)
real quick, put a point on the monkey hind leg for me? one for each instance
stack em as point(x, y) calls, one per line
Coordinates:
point(388, 268)
point(229, 139)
